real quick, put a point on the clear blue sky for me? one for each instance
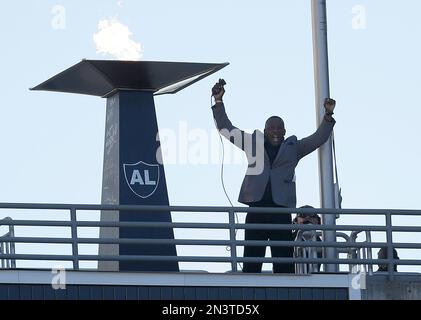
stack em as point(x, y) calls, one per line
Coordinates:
point(52, 144)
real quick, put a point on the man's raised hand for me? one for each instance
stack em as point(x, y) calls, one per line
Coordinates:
point(218, 92)
point(329, 105)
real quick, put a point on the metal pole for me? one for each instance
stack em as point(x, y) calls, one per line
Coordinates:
point(389, 239)
point(321, 77)
point(1, 253)
point(12, 244)
point(232, 240)
point(75, 249)
point(369, 252)
point(7, 247)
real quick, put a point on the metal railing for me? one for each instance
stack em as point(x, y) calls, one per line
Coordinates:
point(346, 246)
point(366, 253)
point(304, 251)
point(7, 247)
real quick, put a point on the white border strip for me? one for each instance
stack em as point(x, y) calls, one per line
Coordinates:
point(181, 279)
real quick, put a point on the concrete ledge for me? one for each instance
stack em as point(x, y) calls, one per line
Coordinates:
point(406, 286)
point(39, 284)
point(177, 279)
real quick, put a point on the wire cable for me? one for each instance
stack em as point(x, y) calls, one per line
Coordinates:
point(338, 189)
point(227, 248)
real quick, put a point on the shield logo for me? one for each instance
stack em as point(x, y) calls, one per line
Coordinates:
point(142, 178)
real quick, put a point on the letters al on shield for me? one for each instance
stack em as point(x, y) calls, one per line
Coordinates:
point(142, 190)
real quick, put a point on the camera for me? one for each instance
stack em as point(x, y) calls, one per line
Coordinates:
point(218, 87)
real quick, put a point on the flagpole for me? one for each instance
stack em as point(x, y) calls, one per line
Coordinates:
point(321, 78)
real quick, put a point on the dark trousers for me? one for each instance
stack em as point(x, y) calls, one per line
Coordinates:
point(279, 235)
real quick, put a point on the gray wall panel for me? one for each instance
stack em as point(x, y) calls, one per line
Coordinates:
point(307, 294)
point(108, 293)
point(178, 293)
point(154, 293)
point(13, 292)
point(294, 294)
point(132, 293)
point(98, 292)
point(318, 293)
point(72, 292)
point(329, 294)
point(236, 294)
point(283, 294)
point(120, 293)
point(189, 293)
point(25, 292)
point(202, 293)
point(271, 294)
point(48, 292)
point(4, 294)
point(213, 293)
point(248, 293)
point(166, 293)
point(84, 293)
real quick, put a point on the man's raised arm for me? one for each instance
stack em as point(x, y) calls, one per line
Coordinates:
point(311, 143)
point(226, 128)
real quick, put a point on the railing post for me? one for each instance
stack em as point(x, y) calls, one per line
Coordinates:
point(369, 252)
point(389, 239)
point(75, 249)
point(1, 253)
point(7, 247)
point(12, 245)
point(232, 241)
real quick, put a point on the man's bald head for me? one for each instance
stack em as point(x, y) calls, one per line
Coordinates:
point(275, 130)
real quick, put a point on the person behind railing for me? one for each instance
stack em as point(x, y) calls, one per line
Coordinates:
point(300, 235)
point(383, 254)
point(270, 177)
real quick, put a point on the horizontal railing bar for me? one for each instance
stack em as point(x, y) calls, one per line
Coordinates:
point(206, 259)
point(191, 225)
point(96, 207)
point(310, 227)
point(39, 223)
point(113, 224)
point(206, 242)
point(405, 229)
point(118, 241)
